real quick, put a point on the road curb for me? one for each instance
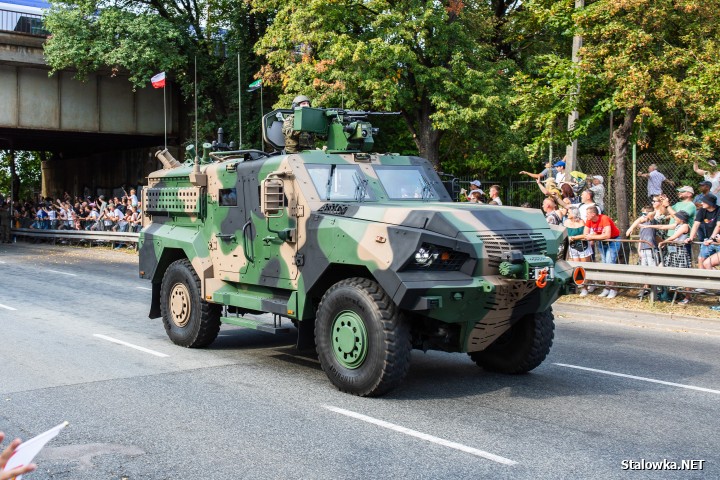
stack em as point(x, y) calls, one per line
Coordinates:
point(658, 321)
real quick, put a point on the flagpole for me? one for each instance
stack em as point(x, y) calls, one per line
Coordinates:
point(165, 113)
point(239, 105)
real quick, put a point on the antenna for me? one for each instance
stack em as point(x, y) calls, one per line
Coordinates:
point(239, 105)
point(196, 159)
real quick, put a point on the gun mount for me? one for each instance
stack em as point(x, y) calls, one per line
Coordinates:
point(345, 130)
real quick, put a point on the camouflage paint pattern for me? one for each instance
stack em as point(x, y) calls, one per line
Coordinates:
point(241, 260)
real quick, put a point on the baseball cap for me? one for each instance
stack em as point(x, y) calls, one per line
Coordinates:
point(705, 183)
point(686, 189)
point(560, 164)
point(710, 199)
point(599, 177)
point(712, 163)
point(476, 183)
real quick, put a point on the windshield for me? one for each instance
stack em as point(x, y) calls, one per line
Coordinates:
point(405, 183)
point(340, 182)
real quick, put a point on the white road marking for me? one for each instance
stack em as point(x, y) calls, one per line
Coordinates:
point(144, 288)
point(644, 379)
point(7, 308)
point(63, 273)
point(136, 347)
point(422, 436)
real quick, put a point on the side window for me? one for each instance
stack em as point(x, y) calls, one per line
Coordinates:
point(228, 197)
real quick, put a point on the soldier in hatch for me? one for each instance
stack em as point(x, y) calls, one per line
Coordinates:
point(296, 141)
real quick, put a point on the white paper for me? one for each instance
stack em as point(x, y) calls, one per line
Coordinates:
point(25, 453)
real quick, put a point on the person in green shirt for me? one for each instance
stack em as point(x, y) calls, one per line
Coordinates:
point(686, 204)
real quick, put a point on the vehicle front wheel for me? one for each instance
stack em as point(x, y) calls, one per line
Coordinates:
point(523, 347)
point(189, 320)
point(362, 339)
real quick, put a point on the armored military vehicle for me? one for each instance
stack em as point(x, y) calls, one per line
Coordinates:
point(365, 253)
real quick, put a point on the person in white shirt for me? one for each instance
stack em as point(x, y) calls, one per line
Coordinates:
point(710, 176)
point(52, 216)
point(586, 197)
point(92, 218)
point(133, 198)
point(495, 195)
point(561, 176)
point(598, 190)
point(119, 220)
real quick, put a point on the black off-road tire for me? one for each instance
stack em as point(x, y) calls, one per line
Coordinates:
point(522, 348)
point(189, 320)
point(387, 348)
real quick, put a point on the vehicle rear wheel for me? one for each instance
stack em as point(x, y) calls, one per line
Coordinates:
point(189, 320)
point(521, 348)
point(362, 339)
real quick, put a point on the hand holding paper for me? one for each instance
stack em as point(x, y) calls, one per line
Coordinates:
point(16, 459)
point(6, 454)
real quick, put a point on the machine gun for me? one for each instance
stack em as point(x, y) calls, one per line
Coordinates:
point(345, 130)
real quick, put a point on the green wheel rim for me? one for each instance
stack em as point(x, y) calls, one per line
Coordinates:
point(349, 339)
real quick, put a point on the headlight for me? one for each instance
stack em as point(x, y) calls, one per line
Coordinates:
point(432, 257)
point(424, 256)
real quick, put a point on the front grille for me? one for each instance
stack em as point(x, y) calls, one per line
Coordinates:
point(497, 244)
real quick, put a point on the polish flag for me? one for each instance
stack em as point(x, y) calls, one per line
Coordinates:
point(158, 81)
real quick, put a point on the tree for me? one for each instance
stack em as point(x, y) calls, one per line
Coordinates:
point(142, 37)
point(640, 60)
point(433, 61)
point(24, 173)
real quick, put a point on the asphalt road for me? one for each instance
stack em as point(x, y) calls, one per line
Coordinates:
point(251, 406)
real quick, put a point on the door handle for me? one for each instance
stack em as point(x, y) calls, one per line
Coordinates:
point(249, 256)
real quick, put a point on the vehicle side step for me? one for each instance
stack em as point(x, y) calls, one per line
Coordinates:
point(275, 327)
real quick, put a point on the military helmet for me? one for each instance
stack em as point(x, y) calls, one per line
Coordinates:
point(299, 99)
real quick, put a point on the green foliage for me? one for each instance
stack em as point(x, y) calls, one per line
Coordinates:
point(90, 39)
point(433, 61)
point(28, 168)
point(656, 57)
point(139, 38)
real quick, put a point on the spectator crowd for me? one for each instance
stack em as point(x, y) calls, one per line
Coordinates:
point(665, 231)
point(116, 214)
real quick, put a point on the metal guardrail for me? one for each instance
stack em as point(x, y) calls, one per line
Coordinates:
point(78, 235)
point(687, 278)
point(22, 22)
point(659, 276)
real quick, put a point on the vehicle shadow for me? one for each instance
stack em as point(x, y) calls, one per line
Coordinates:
point(441, 375)
point(437, 375)
point(239, 338)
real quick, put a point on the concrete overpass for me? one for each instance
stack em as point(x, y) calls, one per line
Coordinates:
point(99, 131)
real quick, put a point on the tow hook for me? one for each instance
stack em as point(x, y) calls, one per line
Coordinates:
point(541, 280)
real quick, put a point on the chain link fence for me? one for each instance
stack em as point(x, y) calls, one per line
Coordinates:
point(676, 173)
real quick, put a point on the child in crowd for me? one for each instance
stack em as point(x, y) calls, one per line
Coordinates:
point(677, 252)
point(648, 247)
point(579, 249)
